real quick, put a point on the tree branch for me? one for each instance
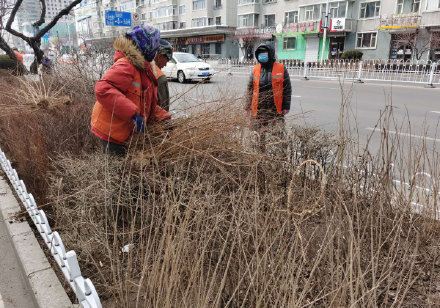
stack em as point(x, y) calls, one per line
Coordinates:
point(42, 16)
point(62, 13)
point(13, 13)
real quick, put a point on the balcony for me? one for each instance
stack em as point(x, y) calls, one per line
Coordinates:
point(430, 19)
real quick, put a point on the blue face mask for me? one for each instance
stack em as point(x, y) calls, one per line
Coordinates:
point(263, 57)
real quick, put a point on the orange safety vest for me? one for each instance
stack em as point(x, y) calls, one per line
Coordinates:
point(159, 72)
point(107, 123)
point(277, 87)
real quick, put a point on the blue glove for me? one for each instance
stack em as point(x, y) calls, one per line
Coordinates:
point(139, 123)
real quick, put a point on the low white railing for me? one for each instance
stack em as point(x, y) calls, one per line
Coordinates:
point(420, 72)
point(68, 263)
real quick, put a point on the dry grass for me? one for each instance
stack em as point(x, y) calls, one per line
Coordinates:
point(199, 216)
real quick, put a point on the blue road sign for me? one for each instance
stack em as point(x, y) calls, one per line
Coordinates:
point(116, 18)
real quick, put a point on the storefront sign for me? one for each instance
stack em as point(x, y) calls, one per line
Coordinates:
point(398, 21)
point(266, 32)
point(337, 25)
point(308, 27)
point(205, 39)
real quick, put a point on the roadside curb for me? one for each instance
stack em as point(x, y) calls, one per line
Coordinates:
point(47, 290)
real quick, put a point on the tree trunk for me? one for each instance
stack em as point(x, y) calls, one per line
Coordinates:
point(21, 69)
point(38, 53)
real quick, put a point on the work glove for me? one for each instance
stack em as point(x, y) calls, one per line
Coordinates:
point(139, 123)
point(286, 111)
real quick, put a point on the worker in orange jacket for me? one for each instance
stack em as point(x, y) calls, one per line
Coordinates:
point(17, 54)
point(270, 93)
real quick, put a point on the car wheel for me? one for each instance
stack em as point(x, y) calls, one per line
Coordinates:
point(208, 79)
point(181, 77)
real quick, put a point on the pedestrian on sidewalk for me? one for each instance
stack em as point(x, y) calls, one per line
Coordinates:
point(127, 93)
point(164, 54)
point(270, 93)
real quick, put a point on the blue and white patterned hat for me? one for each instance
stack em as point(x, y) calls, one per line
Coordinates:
point(146, 39)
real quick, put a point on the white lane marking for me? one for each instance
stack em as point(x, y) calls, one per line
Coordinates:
point(434, 111)
point(319, 87)
point(376, 129)
point(297, 96)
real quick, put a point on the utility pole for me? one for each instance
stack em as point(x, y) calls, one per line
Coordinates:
point(324, 25)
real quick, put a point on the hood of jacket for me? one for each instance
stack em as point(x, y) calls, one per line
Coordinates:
point(266, 46)
point(125, 48)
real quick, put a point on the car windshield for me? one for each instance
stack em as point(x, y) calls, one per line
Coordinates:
point(186, 57)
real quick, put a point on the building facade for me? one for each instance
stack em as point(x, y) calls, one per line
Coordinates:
point(381, 29)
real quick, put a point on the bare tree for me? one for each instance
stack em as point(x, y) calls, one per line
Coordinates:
point(6, 7)
point(35, 40)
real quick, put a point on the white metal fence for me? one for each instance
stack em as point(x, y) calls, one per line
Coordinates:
point(67, 261)
point(420, 72)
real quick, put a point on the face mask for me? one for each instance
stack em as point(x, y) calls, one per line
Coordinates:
point(263, 57)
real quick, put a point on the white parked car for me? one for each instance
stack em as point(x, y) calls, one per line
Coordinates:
point(185, 66)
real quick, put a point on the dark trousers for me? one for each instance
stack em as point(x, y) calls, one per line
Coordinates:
point(113, 148)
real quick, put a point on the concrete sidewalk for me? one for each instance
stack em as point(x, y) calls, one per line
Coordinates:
point(14, 292)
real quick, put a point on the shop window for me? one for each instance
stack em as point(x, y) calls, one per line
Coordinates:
point(370, 9)
point(291, 17)
point(218, 48)
point(366, 40)
point(206, 49)
point(289, 43)
point(269, 20)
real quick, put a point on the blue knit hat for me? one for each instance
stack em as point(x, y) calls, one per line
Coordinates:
point(146, 39)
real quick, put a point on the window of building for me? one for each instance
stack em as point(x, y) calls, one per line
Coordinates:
point(269, 1)
point(169, 25)
point(399, 7)
point(199, 22)
point(289, 43)
point(291, 17)
point(143, 16)
point(218, 4)
point(311, 12)
point(416, 6)
point(269, 20)
point(366, 40)
point(248, 20)
point(181, 9)
point(338, 9)
point(432, 5)
point(244, 2)
point(370, 9)
point(182, 25)
point(199, 5)
point(165, 11)
point(218, 48)
point(210, 21)
point(218, 20)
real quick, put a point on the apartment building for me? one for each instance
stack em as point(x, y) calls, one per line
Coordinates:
point(202, 27)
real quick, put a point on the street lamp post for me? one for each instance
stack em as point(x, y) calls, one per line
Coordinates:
point(324, 25)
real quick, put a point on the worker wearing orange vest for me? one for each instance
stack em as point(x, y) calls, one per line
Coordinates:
point(270, 94)
point(164, 54)
point(269, 88)
point(126, 94)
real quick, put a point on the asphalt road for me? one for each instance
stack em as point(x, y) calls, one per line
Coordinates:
point(317, 103)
